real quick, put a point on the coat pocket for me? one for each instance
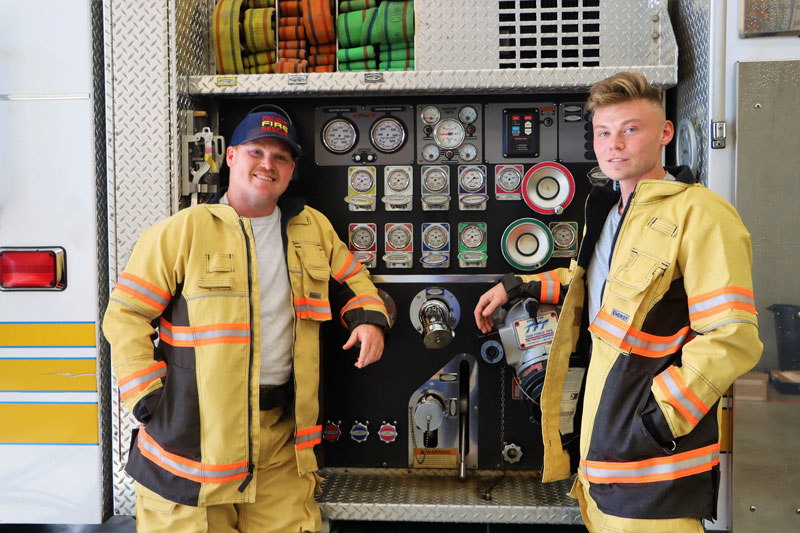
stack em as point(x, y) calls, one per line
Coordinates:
point(630, 287)
point(310, 284)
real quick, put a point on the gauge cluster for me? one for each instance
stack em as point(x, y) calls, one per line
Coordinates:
point(359, 134)
point(449, 133)
point(473, 185)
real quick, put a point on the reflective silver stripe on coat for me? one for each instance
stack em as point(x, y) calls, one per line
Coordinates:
point(635, 343)
point(141, 289)
point(354, 265)
point(549, 286)
point(151, 376)
point(366, 301)
point(317, 435)
point(719, 300)
point(671, 384)
point(305, 308)
point(211, 334)
point(634, 474)
point(185, 469)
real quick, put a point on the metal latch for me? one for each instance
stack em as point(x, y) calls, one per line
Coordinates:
point(719, 134)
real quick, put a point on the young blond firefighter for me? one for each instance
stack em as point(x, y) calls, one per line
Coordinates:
point(235, 291)
point(659, 304)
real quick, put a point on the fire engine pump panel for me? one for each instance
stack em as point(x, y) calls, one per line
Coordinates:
point(438, 197)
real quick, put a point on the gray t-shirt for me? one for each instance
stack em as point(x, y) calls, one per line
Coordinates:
point(276, 299)
point(597, 272)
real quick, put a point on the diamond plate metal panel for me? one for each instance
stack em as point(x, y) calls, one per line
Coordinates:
point(140, 98)
point(456, 35)
point(497, 81)
point(439, 496)
point(692, 20)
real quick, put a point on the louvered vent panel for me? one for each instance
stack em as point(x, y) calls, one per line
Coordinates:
point(549, 33)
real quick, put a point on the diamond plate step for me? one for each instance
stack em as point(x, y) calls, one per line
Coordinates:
point(432, 495)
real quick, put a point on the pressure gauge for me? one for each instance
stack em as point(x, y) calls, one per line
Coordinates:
point(435, 180)
point(509, 179)
point(399, 237)
point(388, 134)
point(472, 179)
point(467, 114)
point(362, 238)
point(339, 135)
point(398, 180)
point(448, 134)
point(564, 235)
point(472, 236)
point(431, 114)
point(435, 237)
point(362, 181)
point(430, 152)
point(467, 152)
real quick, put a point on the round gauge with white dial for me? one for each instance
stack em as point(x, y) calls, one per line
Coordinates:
point(467, 152)
point(398, 180)
point(564, 235)
point(362, 180)
point(472, 179)
point(468, 114)
point(509, 179)
point(398, 237)
point(435, 180)
point(362, 237)
point(435, 237)
point(430, 152)
point(472, 236)
point(388, 134)
point(431, 114)
point(339, 135)
point(449, 134)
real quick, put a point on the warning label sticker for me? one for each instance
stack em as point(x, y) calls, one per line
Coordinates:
point(435, 457)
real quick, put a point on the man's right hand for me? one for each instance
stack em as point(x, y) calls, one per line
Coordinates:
point(488, 302)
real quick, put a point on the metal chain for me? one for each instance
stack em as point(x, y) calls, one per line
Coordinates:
point(502, 409)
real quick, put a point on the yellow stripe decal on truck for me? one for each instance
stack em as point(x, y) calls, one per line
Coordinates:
point(48, 374)
point(48, 423)
point(47, 335)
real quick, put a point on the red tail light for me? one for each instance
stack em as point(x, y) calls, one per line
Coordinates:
point(32, 269)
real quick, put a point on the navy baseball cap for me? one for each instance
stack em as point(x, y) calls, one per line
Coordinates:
point(266, 124)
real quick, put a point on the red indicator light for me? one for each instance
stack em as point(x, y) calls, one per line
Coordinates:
point(528, 117)
point(32, 269)
point(514, 117)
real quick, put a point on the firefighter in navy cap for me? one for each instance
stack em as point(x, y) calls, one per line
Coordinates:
point(659, 310)
point(235, 291)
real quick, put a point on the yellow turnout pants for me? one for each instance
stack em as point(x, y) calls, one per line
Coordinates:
point(284, 501)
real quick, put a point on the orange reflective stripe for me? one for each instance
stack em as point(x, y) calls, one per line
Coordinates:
point(652, 470)
point(187, 468)
point(716, 301)
point(308, 437)
point(312, 308)
point(679, 396)
point(189, 336)
point(141, 379)
point(550, 287)
point(350, 268)
point(143, 290)
point(634, 341)
point(358, 301)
